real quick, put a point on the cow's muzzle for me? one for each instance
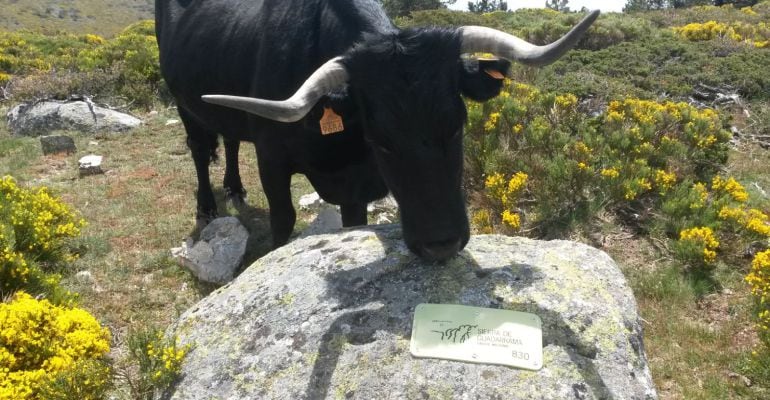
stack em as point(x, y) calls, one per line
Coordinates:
point(438, 251)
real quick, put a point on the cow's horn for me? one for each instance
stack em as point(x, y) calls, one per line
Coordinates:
point(479, 39)
point(325, 79)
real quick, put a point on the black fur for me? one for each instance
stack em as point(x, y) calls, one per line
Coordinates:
point(402, 109)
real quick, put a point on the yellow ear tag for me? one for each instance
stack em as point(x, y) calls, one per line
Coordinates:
point(331, 122)
point(494, 73)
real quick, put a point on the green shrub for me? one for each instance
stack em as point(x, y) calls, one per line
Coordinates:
point(35, 228)
point(57, 66)
point(759, 282)
point(636, 151)
point(159, 359)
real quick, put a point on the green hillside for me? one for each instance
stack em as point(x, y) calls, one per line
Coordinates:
point(103, 17)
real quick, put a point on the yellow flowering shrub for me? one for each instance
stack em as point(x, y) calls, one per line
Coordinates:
point(482, 221)
point(35, 228)
point(698, 245)
point(759, 282)
point(41, 223)
point(731, 187)
point(125, 65)
point(752, 34)
point(39, 340)
point(636, 151)
point(505, 194)
point(753, 222)
point(160, 362)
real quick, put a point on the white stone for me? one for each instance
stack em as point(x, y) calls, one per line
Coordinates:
point(328, 220)
point(310, 201)
point(90, 164)
point(172, 122)
point(217, 256)
point(84, 277)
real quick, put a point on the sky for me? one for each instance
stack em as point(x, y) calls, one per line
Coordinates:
point(604, 5)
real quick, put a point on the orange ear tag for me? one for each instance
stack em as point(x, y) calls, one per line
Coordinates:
point(331, 122)
point(495, 74)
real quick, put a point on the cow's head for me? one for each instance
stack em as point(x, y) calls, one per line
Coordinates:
point(408, 89)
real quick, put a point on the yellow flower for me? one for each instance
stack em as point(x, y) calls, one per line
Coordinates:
point(731, 187)
point(482, 221)
point(611, 173)
point(511, 219)
point(704, 237)
point(565, 101)
point(39, 340)
point(664, 180)
point(491, 123)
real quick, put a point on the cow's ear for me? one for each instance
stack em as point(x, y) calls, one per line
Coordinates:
point(481, 80)
point(338, 102)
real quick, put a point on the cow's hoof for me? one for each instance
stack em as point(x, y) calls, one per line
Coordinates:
point(235, 197)
point(203, 219)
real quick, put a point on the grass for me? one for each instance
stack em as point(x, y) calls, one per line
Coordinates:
point(103, 17)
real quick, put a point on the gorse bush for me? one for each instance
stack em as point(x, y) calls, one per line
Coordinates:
point(159, 360)
point(44, 347)
point(759, 281)
point(636, 151)
point(755, 35)
point(48, 348)
point(60, 65)
point(35, 229)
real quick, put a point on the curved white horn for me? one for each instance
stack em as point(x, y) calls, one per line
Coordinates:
point(479, 39)
point(328, 77)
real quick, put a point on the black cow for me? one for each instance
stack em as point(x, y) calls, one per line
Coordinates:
point(398, 93)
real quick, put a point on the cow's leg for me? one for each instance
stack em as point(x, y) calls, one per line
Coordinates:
point(234, 190)
point(353, 214)
point(202, 144)
point(276, 183)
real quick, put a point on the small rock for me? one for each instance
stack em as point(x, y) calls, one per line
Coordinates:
point(172, 122)
point(386, 204)
point(759, 189)
point(93, 143)
point(328, 220)
point(746, 381)
point(217, 256)
point(84, 277)
point(152, 113)
point(90, 165)
point(55, 144)
point(310, 201)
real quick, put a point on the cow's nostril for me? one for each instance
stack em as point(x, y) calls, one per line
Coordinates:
point(441, 250)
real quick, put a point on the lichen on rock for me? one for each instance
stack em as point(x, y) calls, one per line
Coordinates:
point(330, 316)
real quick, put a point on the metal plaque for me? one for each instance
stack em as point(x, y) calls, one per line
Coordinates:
point(478, 335)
